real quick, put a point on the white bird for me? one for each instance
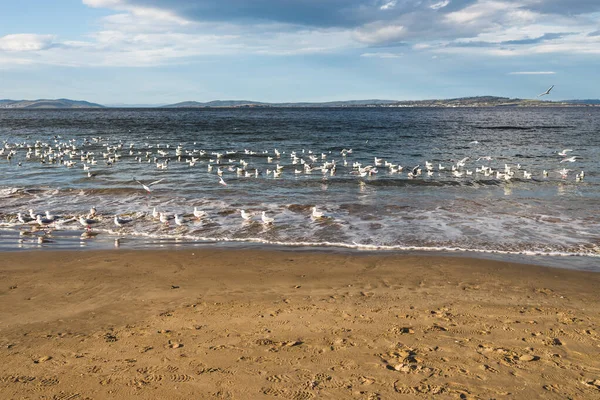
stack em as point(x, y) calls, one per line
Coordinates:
point(164, 218)
point(570, 159)
point(23, 218)
point(51, 217)
point(147, 187)
point(179, 220)
point(87, 222)
point(43, 221)
point(121, 222)
point(199, 214)
point(546, 92)
point(267, 220)
point(316, 214)
point(222, 182)
point(564, 152)
point(246, 216)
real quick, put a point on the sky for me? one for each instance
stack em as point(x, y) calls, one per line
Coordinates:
point(167, 51)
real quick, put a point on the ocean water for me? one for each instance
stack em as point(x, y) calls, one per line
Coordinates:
point(385, 210)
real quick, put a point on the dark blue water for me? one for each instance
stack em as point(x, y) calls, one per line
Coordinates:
point(501, 211)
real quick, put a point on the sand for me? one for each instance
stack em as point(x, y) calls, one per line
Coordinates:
point(258, 324)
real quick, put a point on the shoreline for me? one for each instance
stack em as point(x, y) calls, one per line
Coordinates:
point(264, 324)
point(67, 241)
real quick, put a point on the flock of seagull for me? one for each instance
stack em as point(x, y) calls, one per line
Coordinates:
point(69, 153)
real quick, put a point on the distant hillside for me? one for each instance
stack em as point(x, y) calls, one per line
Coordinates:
point(48, 103)
point(478, 101)
point(217, 103)
point(249, 103)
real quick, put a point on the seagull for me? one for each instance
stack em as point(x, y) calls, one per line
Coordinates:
point(245, 215)
point(147, 187)
point(121, 222)
point(51, 217)
point(199, 214)
point(222, 182)
point(179, 220)
point(43, 221)
point(23, 218)
point(546, 92)
point(564, 152)
point(164, 218)
point(570, 159)
point(87, 222)
point(316, 214)
point(267, 220)
point(92, 213)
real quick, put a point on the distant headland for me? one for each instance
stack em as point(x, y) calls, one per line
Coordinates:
point(478, 101)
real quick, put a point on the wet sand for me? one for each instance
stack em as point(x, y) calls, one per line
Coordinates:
point(258, 324)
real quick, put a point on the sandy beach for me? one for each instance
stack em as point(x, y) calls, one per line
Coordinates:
point(259, 324)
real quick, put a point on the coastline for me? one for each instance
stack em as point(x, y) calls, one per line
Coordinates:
point(239, 323)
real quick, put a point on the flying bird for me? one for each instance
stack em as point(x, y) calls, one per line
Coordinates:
point(546, 92)
point(147, 187)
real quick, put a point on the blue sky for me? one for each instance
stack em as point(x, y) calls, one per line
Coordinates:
point(165, 51)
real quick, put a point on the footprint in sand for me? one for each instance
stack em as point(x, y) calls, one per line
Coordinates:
point(181, 378)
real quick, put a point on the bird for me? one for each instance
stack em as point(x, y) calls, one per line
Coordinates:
point(316, 214)
point(222, 182)
point(92, 212)
point(23, 218)
point(179, 220)
point(564, 152)
point(570, 159)
point(267, 220)
point(87, 222)
point(164, 218)
point(546, 92)
point(199, 214)
point(121, 222)
point(51, 217)
point(43, 221)
point(246, 216)
point(147, 187)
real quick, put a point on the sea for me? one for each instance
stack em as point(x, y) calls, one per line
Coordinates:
point(457, 181)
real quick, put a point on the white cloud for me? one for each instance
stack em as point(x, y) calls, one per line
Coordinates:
point(532, 73)
point(439, 5)
point(25, 42)
point(103, 3)
point(376, 33)
point(389, 5)
point(382, 55)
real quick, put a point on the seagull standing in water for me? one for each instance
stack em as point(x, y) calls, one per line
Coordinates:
point(246, 216)
point(316, 214)
point(119, 222)
point(267, 220)
point(546, 92)
point(199, 214)
point(87, 222)
point(179, 220)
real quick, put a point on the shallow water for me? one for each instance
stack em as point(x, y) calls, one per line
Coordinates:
point(387, 211)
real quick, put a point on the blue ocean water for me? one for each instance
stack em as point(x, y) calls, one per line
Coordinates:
point(367, 204)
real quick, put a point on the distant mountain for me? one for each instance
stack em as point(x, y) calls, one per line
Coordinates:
point(217, 103)
point(48, 103)
point(589, 101)
point(249, 103)
point(477, 101)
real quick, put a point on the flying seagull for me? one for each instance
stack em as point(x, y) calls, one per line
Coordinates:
point(546, 92)
point(147, 187)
